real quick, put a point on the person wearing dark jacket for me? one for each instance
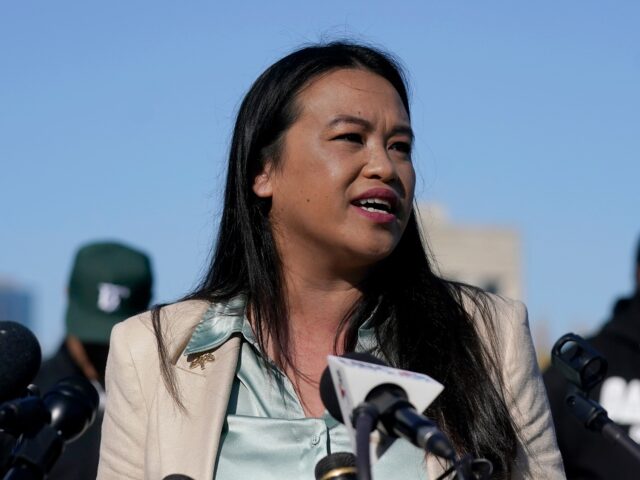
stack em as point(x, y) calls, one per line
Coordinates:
point(587, 455)
point(109, 282)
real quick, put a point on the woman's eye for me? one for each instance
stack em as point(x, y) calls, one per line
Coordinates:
point(350, 137)
point(403, 147)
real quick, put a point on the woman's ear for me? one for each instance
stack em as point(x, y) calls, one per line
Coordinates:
point(262, 182)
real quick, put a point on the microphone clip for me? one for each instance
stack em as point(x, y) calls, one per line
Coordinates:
point(368, 410)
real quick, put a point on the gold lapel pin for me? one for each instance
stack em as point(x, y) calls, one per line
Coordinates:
point(201, 360)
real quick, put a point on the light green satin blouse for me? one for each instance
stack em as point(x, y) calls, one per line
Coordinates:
point(266, 435)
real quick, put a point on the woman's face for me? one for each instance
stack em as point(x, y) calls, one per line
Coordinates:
point(342, 188)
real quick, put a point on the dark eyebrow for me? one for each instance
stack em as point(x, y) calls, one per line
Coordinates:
point(351, 119)
point(402, 130)
point(397, 130)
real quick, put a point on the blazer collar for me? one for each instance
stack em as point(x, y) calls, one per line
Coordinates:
point(218, 324)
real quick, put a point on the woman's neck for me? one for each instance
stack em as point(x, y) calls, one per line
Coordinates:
point(317, 312)
point(318, 305)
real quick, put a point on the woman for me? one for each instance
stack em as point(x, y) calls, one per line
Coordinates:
point(319, 253)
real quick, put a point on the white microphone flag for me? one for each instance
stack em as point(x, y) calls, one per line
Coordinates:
point(354, 379)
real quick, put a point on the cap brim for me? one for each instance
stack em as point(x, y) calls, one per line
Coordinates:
point(90, 325)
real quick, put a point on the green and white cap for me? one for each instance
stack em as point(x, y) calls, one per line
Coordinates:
point(109, 283)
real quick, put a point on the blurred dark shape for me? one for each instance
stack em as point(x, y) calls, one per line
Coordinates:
point(586, 454)
point(20, 358)
point(337, 466)
point(71, 407)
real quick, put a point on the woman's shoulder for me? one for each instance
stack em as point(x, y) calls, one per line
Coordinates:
point(503, 310)
point(500, 321)
point(177, 321)
point(172, 315)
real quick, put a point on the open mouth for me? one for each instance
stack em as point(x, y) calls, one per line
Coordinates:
point(375, 205)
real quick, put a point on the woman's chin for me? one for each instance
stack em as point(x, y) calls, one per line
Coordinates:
point(370, 255)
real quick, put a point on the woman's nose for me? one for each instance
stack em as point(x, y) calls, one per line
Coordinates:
point(380, 165)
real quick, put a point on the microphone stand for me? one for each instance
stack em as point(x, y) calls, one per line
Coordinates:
point(36, 455)
point(366, 417)
point(585, 368)
point(594, 417)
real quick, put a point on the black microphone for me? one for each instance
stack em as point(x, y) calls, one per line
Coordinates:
point(395, 415)
point(177, 476)
point(25, 415)
point(20, 358)
point(72, 405)
point(337, 466)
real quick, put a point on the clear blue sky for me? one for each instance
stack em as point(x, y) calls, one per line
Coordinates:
point(115, 119)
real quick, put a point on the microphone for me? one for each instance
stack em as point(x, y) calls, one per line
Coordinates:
point(177, 476)
point(23, 416)
point(336, 466)
point(20, 358)
point(585, 368)
point(71, 406)
point(73, 403)
point(367, 386)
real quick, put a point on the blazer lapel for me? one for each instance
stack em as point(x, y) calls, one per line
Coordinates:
point(187, 440)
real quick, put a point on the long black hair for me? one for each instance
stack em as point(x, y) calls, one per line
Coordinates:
point(422, 322)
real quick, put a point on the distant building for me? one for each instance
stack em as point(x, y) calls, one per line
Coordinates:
point(488, 257)
point(16, 303)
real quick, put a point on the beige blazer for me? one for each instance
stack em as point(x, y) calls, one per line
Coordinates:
point(146, 436)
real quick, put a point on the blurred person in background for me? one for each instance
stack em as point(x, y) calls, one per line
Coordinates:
point(109, 282)
point(586, 454)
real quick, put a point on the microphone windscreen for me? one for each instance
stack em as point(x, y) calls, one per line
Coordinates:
point(328, 393)
point(177, 476)
point(73, 403)
point(20, 358)
point(342, 463)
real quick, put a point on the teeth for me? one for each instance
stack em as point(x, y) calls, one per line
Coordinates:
point(370, 209)
point(375, 205)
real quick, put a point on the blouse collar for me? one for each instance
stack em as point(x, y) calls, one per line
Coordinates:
point(226, 318)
